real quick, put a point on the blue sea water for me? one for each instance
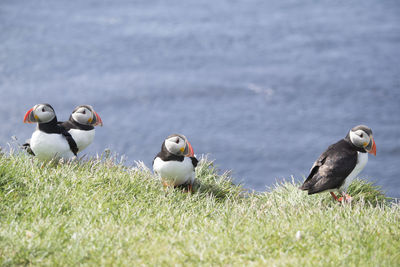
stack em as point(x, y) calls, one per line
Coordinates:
point(262, 87)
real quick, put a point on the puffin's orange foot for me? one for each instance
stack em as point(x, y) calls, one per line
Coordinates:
point(334, 196)
point(190, 188)
point(187, 188)
point(165, 184)
point(347, 198)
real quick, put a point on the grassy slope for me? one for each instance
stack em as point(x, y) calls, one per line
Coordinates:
point(99, 212)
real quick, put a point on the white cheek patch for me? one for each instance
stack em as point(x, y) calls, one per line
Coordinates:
point(45, 117)
point(170, 146)
point(357, 140)
point(75, 116)
point(81, 118)
point(353, 137)
point(173, 147)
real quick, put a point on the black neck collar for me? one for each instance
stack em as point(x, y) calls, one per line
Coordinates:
point(80, 126)
point(165, 155)
point(50, 127)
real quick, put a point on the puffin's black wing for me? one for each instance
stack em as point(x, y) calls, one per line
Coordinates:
point(194, 161)
point(71, 142)
point(331, 168)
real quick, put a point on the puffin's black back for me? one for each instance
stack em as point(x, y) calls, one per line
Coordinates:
point(331, 168)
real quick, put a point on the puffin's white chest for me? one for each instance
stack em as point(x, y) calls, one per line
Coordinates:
point(82, 138)
point(174, 172)
point(362, 159)
point(47, 146)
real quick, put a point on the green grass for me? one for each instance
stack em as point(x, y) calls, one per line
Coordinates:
point(100, 212)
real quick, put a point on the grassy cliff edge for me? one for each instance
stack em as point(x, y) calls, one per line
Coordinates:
point(99, 212)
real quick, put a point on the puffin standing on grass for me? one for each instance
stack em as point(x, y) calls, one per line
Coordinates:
point(175, 164)
point(336, 168)
point(49, 140)
point(81, 125)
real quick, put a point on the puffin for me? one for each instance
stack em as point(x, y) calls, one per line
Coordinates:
point(336, 168)
point(175, 164)
point(49, 140)
point(81, 125)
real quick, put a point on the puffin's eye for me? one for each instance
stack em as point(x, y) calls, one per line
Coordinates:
point(177, 141)
point(84, 112)
point(362, 135)
point(42, 109)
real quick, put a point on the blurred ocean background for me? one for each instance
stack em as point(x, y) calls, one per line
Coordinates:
point(262, 87)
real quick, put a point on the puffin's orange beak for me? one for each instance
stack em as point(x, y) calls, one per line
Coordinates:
point(29, 118)
point(373, 149)
point(98, 119)
point(190, 152)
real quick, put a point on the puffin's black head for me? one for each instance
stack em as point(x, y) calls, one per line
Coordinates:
point(361, 136)
point(40, 113)
point(86, 115)
point(178, 144)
